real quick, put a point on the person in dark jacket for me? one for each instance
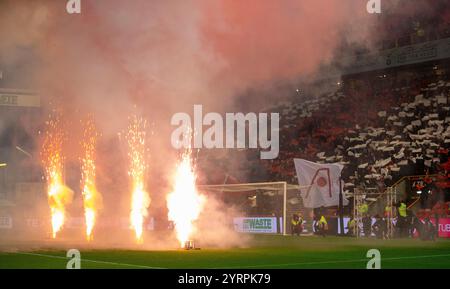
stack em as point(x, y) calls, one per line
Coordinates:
point(429, 231)
point(296, 225)
point(380, 228)
point(367, 225)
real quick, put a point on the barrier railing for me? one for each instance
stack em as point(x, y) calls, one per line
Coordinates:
point(388, 198)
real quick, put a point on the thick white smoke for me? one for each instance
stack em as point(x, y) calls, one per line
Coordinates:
point(156, 58)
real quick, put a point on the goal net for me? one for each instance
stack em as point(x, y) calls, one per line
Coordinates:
point(264, 207)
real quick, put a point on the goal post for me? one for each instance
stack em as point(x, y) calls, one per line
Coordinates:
point(267, 199)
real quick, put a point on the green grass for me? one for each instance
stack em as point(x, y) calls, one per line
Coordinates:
point(263, 252)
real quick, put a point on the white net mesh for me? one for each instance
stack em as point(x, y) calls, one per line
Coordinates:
point(275, 199)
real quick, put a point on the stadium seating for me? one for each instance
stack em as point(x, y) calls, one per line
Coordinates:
point(380, 130)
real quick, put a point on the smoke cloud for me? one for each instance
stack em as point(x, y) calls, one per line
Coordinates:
point(156, 58)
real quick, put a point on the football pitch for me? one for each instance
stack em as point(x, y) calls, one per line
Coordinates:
point(262, 252)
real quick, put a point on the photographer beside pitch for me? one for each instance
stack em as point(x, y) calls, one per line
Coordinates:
point(297, 224)
point(322, 226)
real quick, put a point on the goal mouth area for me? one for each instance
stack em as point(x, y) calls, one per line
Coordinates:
point(282, 191)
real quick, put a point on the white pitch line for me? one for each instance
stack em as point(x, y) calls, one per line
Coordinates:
point(88, 260)
point(243, 267)
point(334, 262)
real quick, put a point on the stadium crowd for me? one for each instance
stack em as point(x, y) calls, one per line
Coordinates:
point(373, 130)
point(380, 127)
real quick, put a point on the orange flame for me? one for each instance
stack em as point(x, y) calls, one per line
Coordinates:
point(59, 196)
point(184, 202)
point(92, 199)
point(140, 200)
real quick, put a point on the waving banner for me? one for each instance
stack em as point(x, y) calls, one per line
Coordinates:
point(319, 183)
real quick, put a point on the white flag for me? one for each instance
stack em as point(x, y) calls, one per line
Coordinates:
point(319, 183)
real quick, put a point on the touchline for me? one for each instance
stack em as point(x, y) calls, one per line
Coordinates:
point(236, 131)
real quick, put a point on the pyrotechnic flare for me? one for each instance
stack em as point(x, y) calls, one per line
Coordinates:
point(92, 199)
point(59, 196)
point(140, 199)
point(184, 202)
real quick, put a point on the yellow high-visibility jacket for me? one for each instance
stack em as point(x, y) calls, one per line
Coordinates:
point(402, 210)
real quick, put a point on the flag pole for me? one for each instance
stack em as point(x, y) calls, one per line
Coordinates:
point(341, 207)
